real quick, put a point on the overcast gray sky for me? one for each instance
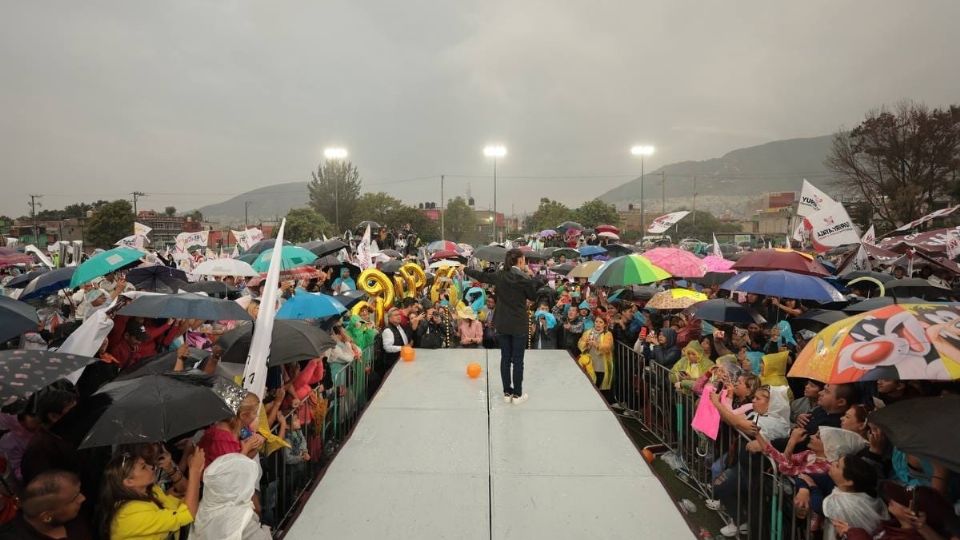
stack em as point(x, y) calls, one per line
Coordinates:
point(194, 101)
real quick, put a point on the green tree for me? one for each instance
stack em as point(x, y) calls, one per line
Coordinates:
point(305, 224)
point(596, 212)
point(548, 215)
point(170, 211)
point(902, 162)
point(110, 222)
point(460, 221)
point(335, 190)
point(196, 215)
point(377, 206)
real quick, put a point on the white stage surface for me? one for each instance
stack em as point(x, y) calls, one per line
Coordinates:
point(440, 455)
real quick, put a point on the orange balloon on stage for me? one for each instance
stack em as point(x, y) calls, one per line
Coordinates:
point(474, 370)
point(407, 353)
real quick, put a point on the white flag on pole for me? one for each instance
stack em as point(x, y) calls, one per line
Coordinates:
point(717, 252)
point(811, 199)
point(136, 241)
point(247, 237)
point(869, 237)
point(141, 229)
point(664, 222)
point(255, 370)
point(830, 227)
point(365, 251)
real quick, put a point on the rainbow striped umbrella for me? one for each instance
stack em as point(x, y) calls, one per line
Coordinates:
point(630, 269)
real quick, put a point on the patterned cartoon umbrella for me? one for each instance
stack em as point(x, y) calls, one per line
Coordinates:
point(675, 299)
point(901, 341)
point(678, 262)
point(23, 372)
point(628, 270)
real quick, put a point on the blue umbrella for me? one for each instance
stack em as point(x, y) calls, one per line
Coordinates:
point(589, 251)
point(304, 305)
point(48, 283)
point(784, 284)
point(23, 280)
point(290, 257)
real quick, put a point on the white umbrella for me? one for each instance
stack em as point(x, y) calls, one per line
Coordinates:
point(608, 234)
point(224, 267)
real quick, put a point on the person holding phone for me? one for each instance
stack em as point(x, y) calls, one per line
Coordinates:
point(598, 344)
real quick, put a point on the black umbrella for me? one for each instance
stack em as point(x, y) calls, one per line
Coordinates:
point(725, 310)
point(350, 298)
point(263, 245)
point(618, 250)
point(816, 319)
point(48, 283)
point(915, 287)
point(391, 267)
point(567, 225)
point(185, 306)
point(161, 363)
point(320, 248)
point(392, 253)
point(879, 276)
point(218, 289)
point(16, 317)
point(157, 278)
point(880, 301)
point(536, 256)
point(21, 281)
point(23, 372)
point(292, 341)
point(159, 407)
point(713, 278)
point(373, 226)
point(920, 427)
point(337, 266)
point(494, 253)
point(564, 268)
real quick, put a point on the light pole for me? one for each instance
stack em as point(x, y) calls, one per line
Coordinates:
point(336, 154)
point(246, 215)
point(642, 151)
point(495, 151)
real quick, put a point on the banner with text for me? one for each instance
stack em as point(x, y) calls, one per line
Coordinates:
point(248, 237)
point(662, 223)
point(830, 227)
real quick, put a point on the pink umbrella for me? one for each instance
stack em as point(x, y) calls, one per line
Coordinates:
point(678, 262)
point(718, 264)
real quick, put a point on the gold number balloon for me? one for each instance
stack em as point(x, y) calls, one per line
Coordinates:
point(415, 277)
point(380, 289)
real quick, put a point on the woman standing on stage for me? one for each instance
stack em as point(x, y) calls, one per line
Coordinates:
point(515, 286)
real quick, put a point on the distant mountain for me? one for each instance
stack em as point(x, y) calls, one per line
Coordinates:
point(266, 204)
point(752, 171)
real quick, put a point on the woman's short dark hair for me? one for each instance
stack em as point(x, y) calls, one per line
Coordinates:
point(512, 256)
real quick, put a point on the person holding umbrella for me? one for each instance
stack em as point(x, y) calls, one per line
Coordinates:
point(133, 506)
point(515, 285)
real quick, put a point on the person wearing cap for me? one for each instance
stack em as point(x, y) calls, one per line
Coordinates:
point(125, 349)
point(469, 328)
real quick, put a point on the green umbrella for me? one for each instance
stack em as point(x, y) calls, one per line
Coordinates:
point(290, 257)
point(104, 263)
point(628, 270)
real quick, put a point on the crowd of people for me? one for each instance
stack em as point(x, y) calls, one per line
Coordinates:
point(209, 484)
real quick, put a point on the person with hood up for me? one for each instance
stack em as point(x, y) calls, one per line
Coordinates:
point(344, 283)
point(663, 347)
point(226, 509)
point(693, 363)
point(543, 334)
point(515, 285)
point(853, 501)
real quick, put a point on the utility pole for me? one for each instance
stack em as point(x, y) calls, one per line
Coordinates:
point(246, 220)
point(33, 216)
point(136, 194)
point(694, 200)
point(443, 205)
point(663, 193)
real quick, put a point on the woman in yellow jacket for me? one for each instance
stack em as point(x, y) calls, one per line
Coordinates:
point(596, 345)
point(134, 507)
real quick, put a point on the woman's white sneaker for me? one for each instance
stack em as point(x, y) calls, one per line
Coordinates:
point(520, 399)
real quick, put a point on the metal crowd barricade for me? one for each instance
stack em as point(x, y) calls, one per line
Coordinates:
point(284, 485)
point(762, 497)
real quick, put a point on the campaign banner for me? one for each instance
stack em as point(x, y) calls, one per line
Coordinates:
point(932, 215)
point(136, 241)
point(186, 240)
point(248, 237)
point(662, 223)
point(934, 241)
point(141, 229)
point(869, 237)
point(830, 227)
point(812, 200)
point(953, 244)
